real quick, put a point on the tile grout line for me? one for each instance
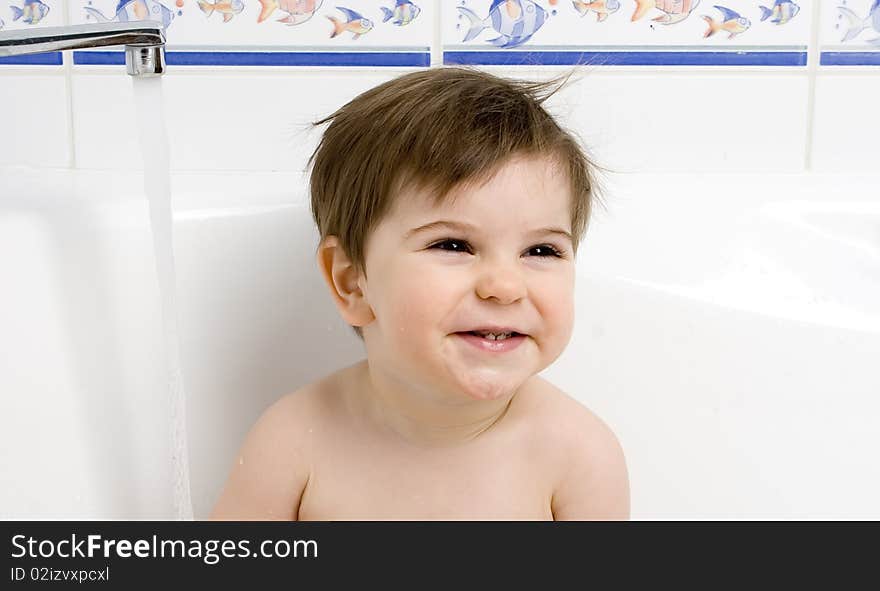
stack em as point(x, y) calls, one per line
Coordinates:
point(437, 44)
point(813, 55)
point(67, 60)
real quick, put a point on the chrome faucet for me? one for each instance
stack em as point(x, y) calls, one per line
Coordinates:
point(144, 42)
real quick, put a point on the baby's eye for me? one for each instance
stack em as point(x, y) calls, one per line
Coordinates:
point(546, 250)
point(458, 245)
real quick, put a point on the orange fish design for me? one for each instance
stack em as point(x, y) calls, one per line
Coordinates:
point(602, 8)
point(676, 10)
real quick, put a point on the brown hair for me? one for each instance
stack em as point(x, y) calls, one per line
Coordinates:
point(434, 130)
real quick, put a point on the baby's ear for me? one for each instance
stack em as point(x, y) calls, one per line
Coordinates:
point(342, 278)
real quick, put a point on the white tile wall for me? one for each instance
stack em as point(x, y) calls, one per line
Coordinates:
point(260, 121)
point(106, 132)
point(665, 120)
point(679, 121)
point(846, 132)
point(34, 129)
point(675, 119)
point(215, 121)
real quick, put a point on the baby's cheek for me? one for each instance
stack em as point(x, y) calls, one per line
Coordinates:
point(412, 308)
point(558, 310)
point(565, 323)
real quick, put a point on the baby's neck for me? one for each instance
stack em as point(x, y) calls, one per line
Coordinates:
point(423, 419)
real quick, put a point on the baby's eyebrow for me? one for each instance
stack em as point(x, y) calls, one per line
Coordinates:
point(464, 226)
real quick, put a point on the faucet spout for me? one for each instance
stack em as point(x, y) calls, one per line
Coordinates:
point(144, 42)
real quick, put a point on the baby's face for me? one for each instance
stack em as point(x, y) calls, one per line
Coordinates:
point(496, 268)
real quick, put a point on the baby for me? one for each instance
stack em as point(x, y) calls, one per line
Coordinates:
point(450, 206)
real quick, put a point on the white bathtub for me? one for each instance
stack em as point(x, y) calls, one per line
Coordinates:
point(728, 329)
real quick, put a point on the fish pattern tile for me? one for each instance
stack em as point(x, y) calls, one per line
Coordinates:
point(501, 28)
point(276, 32)
point(850, 33)
point(514, 22)
point(27, 14)
point(260, 21)
point(292, 12)
point(555, 28)
point(131, 10)
point(16, 15)
point(227, 8)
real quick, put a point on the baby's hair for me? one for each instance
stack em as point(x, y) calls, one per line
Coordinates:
point(435, 130)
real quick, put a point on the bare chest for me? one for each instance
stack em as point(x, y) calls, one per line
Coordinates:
point(371, 481)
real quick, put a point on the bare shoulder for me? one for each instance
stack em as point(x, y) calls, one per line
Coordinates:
point(591, 479)
point(273, 466)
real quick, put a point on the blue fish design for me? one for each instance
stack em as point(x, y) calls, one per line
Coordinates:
point(136, 10)
point(403, 14)
point(31, 12)
point(356, 23)
point(731, 22)
point(857, 24)
point(728, 14)
point(514, 20)
point(782, 12)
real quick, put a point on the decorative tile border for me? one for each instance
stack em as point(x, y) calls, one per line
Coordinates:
point(29, 14)
point(274, 32)
point(37, 59)
point(375, 33)
point(627, 57)
point(266, 58)
point(850, 33)
point(613, 32)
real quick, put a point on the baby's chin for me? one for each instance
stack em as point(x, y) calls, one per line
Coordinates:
point(489, 383)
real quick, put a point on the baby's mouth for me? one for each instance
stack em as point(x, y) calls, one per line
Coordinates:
point(492, 343)
point(492, 336)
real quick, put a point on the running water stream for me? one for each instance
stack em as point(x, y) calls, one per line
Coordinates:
point(157, 186)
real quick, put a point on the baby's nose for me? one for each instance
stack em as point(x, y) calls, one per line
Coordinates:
point(503, 282)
